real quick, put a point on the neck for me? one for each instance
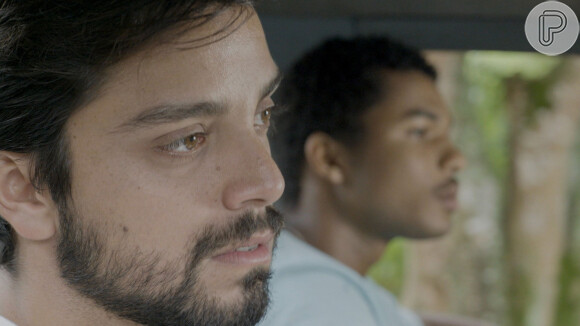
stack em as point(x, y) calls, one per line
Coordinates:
point(6, 305)
point(324, 227)
point(37, 295)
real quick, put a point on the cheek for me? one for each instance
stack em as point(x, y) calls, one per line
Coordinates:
point(402, 174)
point(143, 204)
point(422, 168)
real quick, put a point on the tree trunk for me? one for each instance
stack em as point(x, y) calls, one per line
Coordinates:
point(536, 220)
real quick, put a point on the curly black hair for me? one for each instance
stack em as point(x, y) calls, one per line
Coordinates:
point(328, 90)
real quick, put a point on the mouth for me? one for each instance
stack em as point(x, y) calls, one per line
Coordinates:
point(256, 250)
point(447, 195)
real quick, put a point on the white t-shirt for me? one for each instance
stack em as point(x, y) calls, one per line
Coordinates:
point(6, 322)
point(310, 288)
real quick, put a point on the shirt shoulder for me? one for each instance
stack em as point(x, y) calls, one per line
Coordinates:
point(316, 297)
point(6, 322)
point(311, 288)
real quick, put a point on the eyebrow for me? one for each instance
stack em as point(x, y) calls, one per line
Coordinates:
point(172, 113)
point(418, 112)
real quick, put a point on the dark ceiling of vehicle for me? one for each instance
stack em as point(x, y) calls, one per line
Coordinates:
point(293, 26)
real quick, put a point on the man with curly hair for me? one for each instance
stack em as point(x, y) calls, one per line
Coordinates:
point(136, 180)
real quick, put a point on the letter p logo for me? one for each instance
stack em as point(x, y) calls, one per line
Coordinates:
point(552, 28)
point(551, 22)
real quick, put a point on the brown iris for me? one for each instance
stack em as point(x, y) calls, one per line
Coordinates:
point(193, 141)
point(266, 115)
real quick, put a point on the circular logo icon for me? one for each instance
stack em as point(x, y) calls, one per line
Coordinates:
point(552, 28)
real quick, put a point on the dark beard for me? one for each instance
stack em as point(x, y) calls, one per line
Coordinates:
point(137, 288)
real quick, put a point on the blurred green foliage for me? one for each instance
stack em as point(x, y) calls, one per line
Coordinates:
point(389, 271)
point(484, 99)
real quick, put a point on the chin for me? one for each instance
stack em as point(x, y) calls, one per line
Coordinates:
point(438, 233)
point(437, 227)
point(429, 227)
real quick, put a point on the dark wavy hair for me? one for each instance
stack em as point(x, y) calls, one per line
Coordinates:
point(328, 90)
point(53, 58)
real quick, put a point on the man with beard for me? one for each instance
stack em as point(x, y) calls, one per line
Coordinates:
point(136, 180)
point(365, 150)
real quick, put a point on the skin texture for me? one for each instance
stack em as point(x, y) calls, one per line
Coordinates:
point(399, 181)
point(151, 187)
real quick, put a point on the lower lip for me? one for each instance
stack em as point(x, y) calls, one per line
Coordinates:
point(259, 255)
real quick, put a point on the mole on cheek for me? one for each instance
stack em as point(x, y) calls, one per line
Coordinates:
point(125, 229)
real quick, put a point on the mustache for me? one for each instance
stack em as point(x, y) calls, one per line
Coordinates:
point(240, 229)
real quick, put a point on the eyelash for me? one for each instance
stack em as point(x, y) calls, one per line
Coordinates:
point(187, 144)
point(192, 142)
point(419, 132)
point(277, 111)
point(270, 111)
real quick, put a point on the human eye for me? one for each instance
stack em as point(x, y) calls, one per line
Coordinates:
point(187, 144)
point(418, 133)
point(263, 118)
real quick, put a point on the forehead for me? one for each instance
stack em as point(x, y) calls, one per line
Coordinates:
point(404, 92)
point(231, 64)
point(410, 87)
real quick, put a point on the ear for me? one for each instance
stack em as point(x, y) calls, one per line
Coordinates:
point(29, 212)
point(326, 157)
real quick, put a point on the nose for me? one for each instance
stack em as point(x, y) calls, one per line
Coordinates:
point(255, 180)
point(453, 160)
